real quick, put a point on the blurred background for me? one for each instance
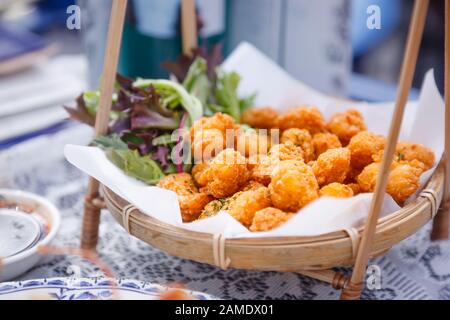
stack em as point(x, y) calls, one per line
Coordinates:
point(50, 50)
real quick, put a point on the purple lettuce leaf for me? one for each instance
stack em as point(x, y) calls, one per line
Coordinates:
point(80, 112)
point(160, 156)
point(180, 67)
point(143, 118)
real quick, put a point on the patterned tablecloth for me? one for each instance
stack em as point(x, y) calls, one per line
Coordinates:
point(414, 269)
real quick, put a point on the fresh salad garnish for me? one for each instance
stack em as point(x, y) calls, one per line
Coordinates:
point(149, 115)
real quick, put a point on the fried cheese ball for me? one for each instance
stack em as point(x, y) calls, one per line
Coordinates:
point(293, 185)
point(407, 151)
point(191, 200)
point(301, 138)
point(250, 143)
point(323, 141)
point(206, 144)
point(403, 180)
point(213, 208)
point(347, 124)
point(336, 190)
point(252, 185)
point(367, 179)
point(265, 164)
point(286, 151)
point(398, 159)
point(262, 168)
point(307, 118)
point(197, 173)
point(219, 121)
point(208, 135)
point(363, 147)
point(269, 218)
point(247, 203)
point(355, 188)
point(332, 166)
point(226, 174)
point(261, 118)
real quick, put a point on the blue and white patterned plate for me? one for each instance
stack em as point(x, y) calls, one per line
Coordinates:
point(86, 289)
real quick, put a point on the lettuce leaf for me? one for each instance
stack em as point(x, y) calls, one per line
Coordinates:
point(130, 161)
point(133, 164)
point(173, 94)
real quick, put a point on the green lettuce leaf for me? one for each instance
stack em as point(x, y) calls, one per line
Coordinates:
point(140, 167)
point(174, 94)
point(197, 82)
point(226, 93)
point(130, 161)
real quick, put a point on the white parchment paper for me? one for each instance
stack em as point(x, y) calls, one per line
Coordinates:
point(423, 123)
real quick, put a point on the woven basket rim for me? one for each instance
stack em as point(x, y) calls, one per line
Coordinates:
point(394, 218)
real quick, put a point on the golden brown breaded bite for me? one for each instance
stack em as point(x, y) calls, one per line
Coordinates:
point(213, 208)
point(252, 185)
point(363, 147)
point(197, 173)
point(250, 143)
point(268, 219)
point(219, 121)
point(191, 200)
point(301, 138)
point(226, 174)
point(332, 166)
point(367, 179)
point(323, 141)
point(307, 118)
point(407, 151)
point(293, 185)
point(265, 164)
point(336, 190)
point(180, 183)
point(403, 180)
point(355, 188)
point(346, 125)
point(244, 206)
point(262, 168)
point(206, 144)
point(262, 118)
point(192, 205)
point(286, 151)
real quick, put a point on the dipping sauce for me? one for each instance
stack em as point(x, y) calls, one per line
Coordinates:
point(21, 228)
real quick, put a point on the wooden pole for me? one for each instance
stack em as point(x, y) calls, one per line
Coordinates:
point(441, 221)
point(353, 289)
point(91, 217)
point(188, 26)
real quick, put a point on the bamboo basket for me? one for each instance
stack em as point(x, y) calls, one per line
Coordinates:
point(291, 254)
point(311, 256)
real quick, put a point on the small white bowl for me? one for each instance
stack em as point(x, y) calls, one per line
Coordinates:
point(18, 264)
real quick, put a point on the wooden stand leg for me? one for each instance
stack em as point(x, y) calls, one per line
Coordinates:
point(336, 279)
point(441, 224)
point(352, 290)
point(441, 221)
point(91, 217)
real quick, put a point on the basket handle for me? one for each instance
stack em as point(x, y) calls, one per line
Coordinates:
point(188, 26)
point(91, 216)
point(353, 289)
point(440, 229)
